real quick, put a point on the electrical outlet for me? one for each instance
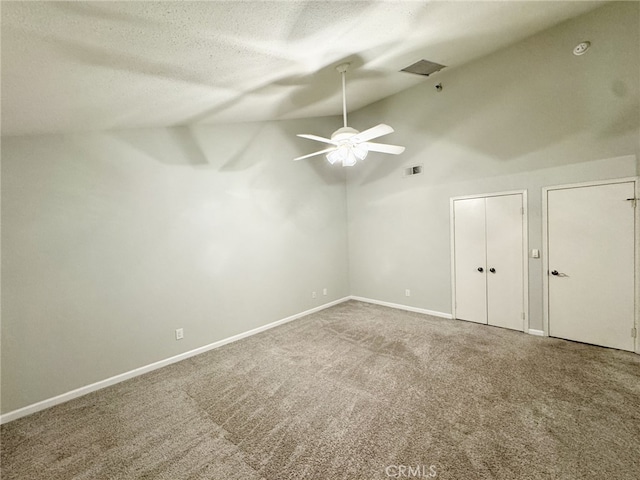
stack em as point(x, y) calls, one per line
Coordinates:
point(313, 295)
point(581, 48)
point(179, 333)
point(407, 293)
point(324, 291)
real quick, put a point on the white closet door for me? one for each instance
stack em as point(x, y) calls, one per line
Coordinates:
point(469, 256)
point(591, 233)
point(505, 262)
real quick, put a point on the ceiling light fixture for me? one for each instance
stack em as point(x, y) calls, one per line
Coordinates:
point(348, 145)
point(346, 153)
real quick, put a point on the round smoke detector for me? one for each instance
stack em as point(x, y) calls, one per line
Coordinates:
point(581, 48)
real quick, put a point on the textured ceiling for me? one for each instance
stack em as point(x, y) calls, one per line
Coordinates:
point(79, 66)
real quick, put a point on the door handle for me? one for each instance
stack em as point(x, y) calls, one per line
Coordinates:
point(480, 269)
point(492, 270)
point(555, 272)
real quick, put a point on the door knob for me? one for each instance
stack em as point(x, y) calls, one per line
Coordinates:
point(492, 270)
point(555, 272)
point(480, 269)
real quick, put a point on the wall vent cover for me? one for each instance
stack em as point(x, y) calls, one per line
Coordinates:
point(413, 170)
point(423, 67)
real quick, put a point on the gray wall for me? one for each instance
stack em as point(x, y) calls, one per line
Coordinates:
point(111, 241)
point(528, 116)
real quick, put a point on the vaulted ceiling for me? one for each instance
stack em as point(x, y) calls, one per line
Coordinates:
point(81, 66)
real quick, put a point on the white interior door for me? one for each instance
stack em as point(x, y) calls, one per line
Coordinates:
point(591, 236)
point(505, 261)
point(470, 260)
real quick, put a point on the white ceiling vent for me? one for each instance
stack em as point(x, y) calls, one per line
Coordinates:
point(423, 67)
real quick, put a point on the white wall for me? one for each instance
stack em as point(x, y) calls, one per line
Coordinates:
point(525, 117)
point(111, 241)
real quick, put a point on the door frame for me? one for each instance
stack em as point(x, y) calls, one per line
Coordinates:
point(545, 248)
point(525, 249)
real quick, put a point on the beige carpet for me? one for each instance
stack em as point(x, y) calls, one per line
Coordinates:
point(354, 392)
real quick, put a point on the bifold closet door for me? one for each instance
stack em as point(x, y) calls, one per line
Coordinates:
point(505, 262)
point(470, 259)
point(489, 260)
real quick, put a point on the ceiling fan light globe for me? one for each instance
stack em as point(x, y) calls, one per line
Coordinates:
point(349, 159)
point(334, 156)
point(360, 151)
point(348, 154)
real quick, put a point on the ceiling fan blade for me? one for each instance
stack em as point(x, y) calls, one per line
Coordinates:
point(317, 138)
point(384, 148)
point(326, 150)
point(371, 133)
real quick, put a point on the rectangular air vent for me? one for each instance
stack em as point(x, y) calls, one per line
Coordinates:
point(423, 67)
point(413, 170)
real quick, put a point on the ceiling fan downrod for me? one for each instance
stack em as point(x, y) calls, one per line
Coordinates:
point(342, 68)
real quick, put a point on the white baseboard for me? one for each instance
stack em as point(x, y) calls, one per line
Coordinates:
point(402, 307)
point(78, 392)
point(538, 333)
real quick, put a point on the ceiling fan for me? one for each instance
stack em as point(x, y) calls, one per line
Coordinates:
point(347, 144)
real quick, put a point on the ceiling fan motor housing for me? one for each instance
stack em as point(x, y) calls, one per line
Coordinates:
point(343, 133)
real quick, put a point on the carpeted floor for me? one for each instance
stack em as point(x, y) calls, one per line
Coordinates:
point(356, 391)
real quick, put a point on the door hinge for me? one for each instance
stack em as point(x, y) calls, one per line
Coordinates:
point(634, 201)
point(522, 316)
point(522, 210)
point(634, 332)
